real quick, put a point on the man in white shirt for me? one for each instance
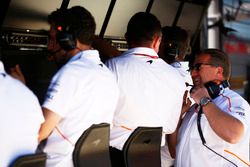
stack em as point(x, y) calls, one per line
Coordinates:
point(174, 47)
point(21, 117)
point(151, 91)
point(215, 132)
point(83, 92)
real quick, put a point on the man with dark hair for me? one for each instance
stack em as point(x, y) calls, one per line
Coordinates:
point(175, 44)
point(215, 131)
point(83, 92)
point(173, 49)
point(151, 91)
point(66, 29)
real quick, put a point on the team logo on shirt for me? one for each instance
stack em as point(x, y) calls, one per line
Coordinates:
point(150, 61)
point(51, 90)
point(240, 113)
point(49, 96)
point(4, 75)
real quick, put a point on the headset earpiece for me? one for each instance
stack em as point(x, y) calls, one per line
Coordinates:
point(65, 38)
point(171, 49)
point(214, 89)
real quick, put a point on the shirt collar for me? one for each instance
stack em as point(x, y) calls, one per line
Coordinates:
point(92, 55)
point(181, 64)
point(141, 50)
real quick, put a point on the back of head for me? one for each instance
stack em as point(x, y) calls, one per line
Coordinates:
point(71, 24)
point(142, 28)
point(175, 44)
point(218, 58)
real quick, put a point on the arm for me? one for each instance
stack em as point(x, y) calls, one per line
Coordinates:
point(172, 141)
point(224, 125)
point(172, 138)
point(51, 120)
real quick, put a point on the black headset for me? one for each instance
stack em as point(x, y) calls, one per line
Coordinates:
point(214, 89)
point(65, 37)
point(171, 49)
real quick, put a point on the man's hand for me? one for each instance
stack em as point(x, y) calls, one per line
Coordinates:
point(199, 92)
point(186, 103)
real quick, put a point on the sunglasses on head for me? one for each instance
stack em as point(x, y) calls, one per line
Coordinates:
point(197, 66)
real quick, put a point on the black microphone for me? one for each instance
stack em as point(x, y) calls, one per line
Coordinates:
point(187, 84)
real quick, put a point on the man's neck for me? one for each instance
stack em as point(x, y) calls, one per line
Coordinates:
point(79, 48)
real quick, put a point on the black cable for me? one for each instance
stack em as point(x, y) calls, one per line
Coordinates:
point(199, 126)
point(203, 139)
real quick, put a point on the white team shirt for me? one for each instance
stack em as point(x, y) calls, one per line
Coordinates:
point(182, 67)
point(83, 92)
point(151, 93)
point(191, 153)
point(21, 117)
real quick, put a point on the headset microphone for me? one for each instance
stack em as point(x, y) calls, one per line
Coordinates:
point(188, 84)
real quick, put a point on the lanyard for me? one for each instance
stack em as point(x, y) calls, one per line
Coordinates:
point(140, 54)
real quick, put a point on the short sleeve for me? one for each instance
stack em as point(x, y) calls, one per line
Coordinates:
point(60, 93)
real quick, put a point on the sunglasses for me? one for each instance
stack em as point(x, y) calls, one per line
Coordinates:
point(197, 66)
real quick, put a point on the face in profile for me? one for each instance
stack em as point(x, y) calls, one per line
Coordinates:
point(56, 53)
point(168, 52)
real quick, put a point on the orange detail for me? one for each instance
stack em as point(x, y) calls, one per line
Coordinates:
point(64, 137)
point(125, 127)
point(247, 163)
point(229, 101)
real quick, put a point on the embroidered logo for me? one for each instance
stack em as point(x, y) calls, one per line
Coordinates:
point(150, 61)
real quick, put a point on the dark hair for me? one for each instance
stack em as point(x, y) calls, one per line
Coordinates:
point(77, 20)
point(219, 59)
point(142, 28)
point(175, 40)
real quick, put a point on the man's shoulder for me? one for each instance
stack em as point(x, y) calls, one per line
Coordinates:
point(232, 98)
point(121, 59)
point(231, 94)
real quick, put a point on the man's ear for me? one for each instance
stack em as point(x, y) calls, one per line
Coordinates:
point(156, 42)
point(220, 72)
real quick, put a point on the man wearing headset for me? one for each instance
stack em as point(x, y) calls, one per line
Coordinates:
point(83, 92)
point(215, 131)
point(175, 45)
point(174, 48)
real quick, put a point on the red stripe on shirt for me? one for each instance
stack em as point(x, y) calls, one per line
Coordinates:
point(229, 101)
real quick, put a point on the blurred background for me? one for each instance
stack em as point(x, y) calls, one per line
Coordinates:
point(223, 24)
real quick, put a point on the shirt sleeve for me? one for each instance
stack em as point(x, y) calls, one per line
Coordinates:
point(239, 109)
point(60, 93)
